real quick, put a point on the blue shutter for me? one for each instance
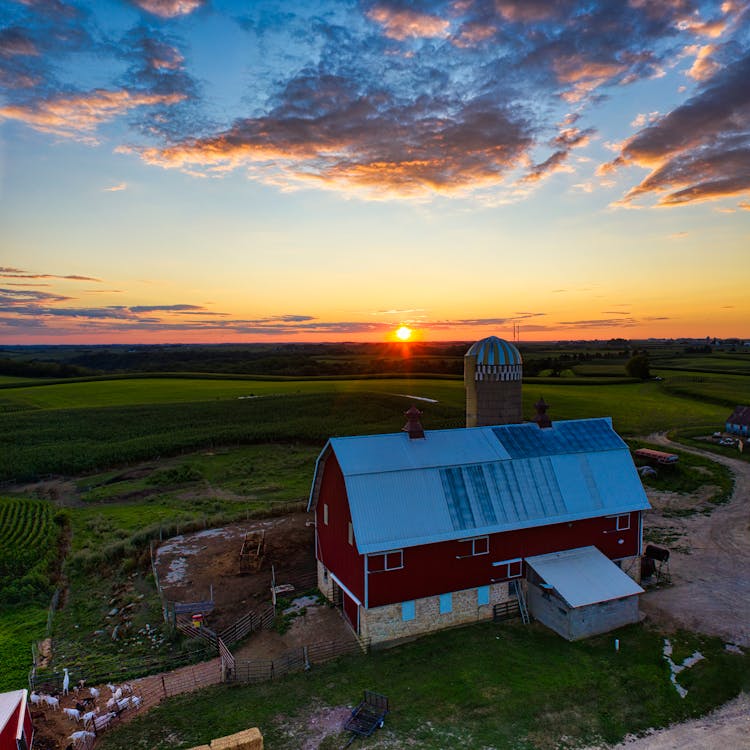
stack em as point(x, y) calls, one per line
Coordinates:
point(446, 603)
point(483, 595)
point(408, 611)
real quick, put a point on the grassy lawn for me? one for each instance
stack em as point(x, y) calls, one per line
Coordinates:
point(20, 626)
point(484, 686)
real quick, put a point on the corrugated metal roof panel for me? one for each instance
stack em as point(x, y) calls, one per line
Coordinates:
point(583, 576)
point(459, 483)
point(577, 436)
point(366, 454)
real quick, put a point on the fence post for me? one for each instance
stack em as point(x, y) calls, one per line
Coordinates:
point(163, 686)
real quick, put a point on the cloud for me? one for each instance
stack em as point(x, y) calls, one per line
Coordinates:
point(19, 273)
point(328, 132)
point(71, 116)
point(14, 41)
point(169, 8)
point(700, 150)
point(116, 188)
point(677, 236)
point(403, 23)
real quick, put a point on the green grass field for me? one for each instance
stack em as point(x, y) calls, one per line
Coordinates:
point(486, 686)
point(20, 626)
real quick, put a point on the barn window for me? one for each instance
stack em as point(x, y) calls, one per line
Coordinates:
point(325, 513)
point(446, 603)
point(622, 523)
point(393, 560)
point(509, 568)
point(483, 595)
point(351, 533)
point(479, 545)
point(408, 610)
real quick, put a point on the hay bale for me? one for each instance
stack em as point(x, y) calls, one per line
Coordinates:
point(250, 739)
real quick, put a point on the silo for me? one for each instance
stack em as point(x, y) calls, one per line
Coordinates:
point(493, 370)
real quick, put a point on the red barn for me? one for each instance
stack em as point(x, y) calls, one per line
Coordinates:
point(16, 731)
point(421, 530)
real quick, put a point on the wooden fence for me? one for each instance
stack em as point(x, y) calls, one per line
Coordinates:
point(295, 660)
point(247, 624)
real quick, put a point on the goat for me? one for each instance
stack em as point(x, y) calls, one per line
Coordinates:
point(52, 702)
point(111, 703)
point(123, 703)
point(102, 722)
point(35, 699)
point(88, 718)
point(66, 681)
point(111, 687)
point(82, 734)
point(117, 694)
point(72, 713)
point(135, 702)
point(93, 692)
point(127, 688)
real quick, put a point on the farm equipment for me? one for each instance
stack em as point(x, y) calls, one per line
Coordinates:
point(368, 716)
point(253, 549)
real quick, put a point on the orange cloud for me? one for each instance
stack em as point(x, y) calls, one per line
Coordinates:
point(70, 116)
point(704, 67)
point(405, 24)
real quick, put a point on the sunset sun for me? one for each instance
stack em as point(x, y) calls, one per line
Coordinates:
point(403, 333)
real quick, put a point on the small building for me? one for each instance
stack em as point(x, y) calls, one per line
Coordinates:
point(738, 421)
point(16, 730)
point(579, 593)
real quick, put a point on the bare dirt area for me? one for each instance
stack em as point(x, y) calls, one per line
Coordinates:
point(709, 562)
point(727, 728)
point(191, 565)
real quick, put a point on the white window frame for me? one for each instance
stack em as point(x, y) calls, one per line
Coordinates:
point(385, 555)
point(507, 564)
point(619, 521)
point(473, 542)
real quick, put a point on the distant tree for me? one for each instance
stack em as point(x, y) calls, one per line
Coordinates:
point(638, 366)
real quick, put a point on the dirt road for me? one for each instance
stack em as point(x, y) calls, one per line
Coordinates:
point(711, 591)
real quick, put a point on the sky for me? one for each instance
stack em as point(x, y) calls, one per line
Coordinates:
point(214, 171)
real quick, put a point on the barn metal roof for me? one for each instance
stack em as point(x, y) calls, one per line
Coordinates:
point(8, 704)
point(583, 576)
point(495, 351)
point(459, 483)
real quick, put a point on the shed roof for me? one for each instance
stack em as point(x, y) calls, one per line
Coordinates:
point(460, 483)
point(8, 705)
point(583, 576)
point(740, 415)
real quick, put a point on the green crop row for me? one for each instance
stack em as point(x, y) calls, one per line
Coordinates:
point(29, 540)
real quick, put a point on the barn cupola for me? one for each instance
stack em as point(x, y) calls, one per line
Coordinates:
point(493, 370)
point(541, 417)
point(413, 427)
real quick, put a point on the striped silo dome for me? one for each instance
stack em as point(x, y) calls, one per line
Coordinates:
point(495, 351)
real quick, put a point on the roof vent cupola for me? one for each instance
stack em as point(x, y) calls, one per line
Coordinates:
point(541, 417)
point(413, 427)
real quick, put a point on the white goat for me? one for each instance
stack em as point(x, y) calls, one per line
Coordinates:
point(72, 713)
point(88, 718)
point(52, 702)
point(135, 702)
point(127, 688)
point(102, 722)
point(94, 692)
point(117, 694)
point(82, 735)
point(66, 681)
point(111, 687)
point(35, 699)
point(111, 703)
point(123, 703)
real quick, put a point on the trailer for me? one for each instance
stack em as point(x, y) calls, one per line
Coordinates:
point(368, 716)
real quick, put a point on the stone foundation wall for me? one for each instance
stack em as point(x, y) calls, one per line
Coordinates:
point(325, 582)
point(631, 566)
point(381, 624)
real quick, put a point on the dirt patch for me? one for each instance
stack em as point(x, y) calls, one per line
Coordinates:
point(313, 728)
point(190, 566)
point(710, 592)
point(727, 727)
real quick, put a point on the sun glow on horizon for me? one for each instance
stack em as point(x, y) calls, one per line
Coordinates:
point(404, 333)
